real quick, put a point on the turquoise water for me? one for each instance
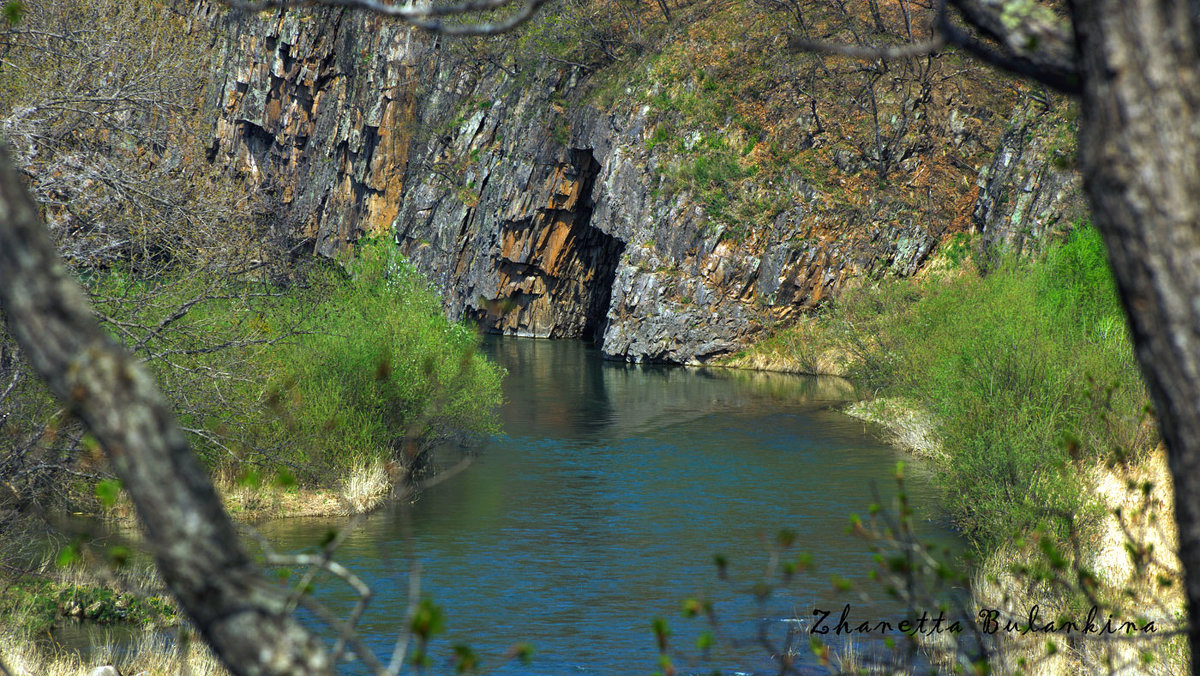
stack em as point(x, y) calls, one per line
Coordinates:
point(602, 505)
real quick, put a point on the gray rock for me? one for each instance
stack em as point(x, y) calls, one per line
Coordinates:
point(533, 212)
point(1028, 190)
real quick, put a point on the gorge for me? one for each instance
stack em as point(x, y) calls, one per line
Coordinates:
point(674, 189)
point(551, 199)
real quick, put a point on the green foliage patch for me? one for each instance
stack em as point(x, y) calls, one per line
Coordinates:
point(382, 375)
point(1029, 372)
point(312, 378)
point(35, 604)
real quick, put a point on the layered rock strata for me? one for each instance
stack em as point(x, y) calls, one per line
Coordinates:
point(530, 210)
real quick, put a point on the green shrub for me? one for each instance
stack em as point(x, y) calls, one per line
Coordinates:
point(1028, 370)
point(313, 378)
point(382, 369)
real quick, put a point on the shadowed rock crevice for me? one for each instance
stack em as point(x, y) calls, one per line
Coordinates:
point(554, 271)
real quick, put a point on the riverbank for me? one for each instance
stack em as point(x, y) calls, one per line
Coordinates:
point(126, 601)
point(121, 601)
point(314, 397)
point(1016, 379)
point(308, 396)
point(148, 656)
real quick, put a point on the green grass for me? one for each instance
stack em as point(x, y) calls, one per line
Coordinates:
point(1029, 371)
point(343, 369)
point(33, 605)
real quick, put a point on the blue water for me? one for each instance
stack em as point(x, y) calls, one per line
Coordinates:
point(602, 505)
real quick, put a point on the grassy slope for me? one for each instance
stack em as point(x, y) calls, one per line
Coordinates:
point(1022, 387)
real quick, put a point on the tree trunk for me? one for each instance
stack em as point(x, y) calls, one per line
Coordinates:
point(1140, 157)
point(193, 540)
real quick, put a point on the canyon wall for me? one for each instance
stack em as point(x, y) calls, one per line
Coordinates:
point(539, 209)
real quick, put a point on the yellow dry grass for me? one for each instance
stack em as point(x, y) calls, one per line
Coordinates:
point(367, 486)
point(805, 348)
point(1139, 502)
point(905, 425)
point(150, 655)
point(364, 489)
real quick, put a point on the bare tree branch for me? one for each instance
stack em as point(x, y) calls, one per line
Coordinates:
point(1036, 46)
point(1040, 50)
point(194, 542)
point(888, 53)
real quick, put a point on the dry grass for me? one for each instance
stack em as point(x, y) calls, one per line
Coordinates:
point(366, 488)
point(804, 348)
point(1139, 503)
point(150, 655)
point(1147, 517)
point(849, 659)
point(906, 426)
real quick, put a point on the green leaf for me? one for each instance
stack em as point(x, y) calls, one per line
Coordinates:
point(284, 478)
point(250, 479)
point(428, 620)
point(523, 652)
point(118, 555)
point(14, 11)
point(329, 536)
point(465, 659)
point(107, 492)
point(67, 555)
point(722, 563)
point(786, 538)
point(661, 633)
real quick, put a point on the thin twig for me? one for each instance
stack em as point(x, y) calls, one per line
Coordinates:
point(414, 594)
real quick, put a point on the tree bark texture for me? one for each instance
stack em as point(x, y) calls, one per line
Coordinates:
point(1140, 158)
point(196, 547)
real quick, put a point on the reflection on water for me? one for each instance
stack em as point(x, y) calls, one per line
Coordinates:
point(603, 504)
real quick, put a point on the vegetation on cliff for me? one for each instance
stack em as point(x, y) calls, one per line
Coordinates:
point(702, 176)
point(748, 128)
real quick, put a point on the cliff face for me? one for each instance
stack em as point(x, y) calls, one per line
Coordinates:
point(532, 208)
point(1031, 188)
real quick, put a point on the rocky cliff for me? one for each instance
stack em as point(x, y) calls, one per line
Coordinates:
point(1031, 187)
point(669, 214)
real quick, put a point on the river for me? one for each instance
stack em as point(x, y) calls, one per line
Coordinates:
point(603, 504)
